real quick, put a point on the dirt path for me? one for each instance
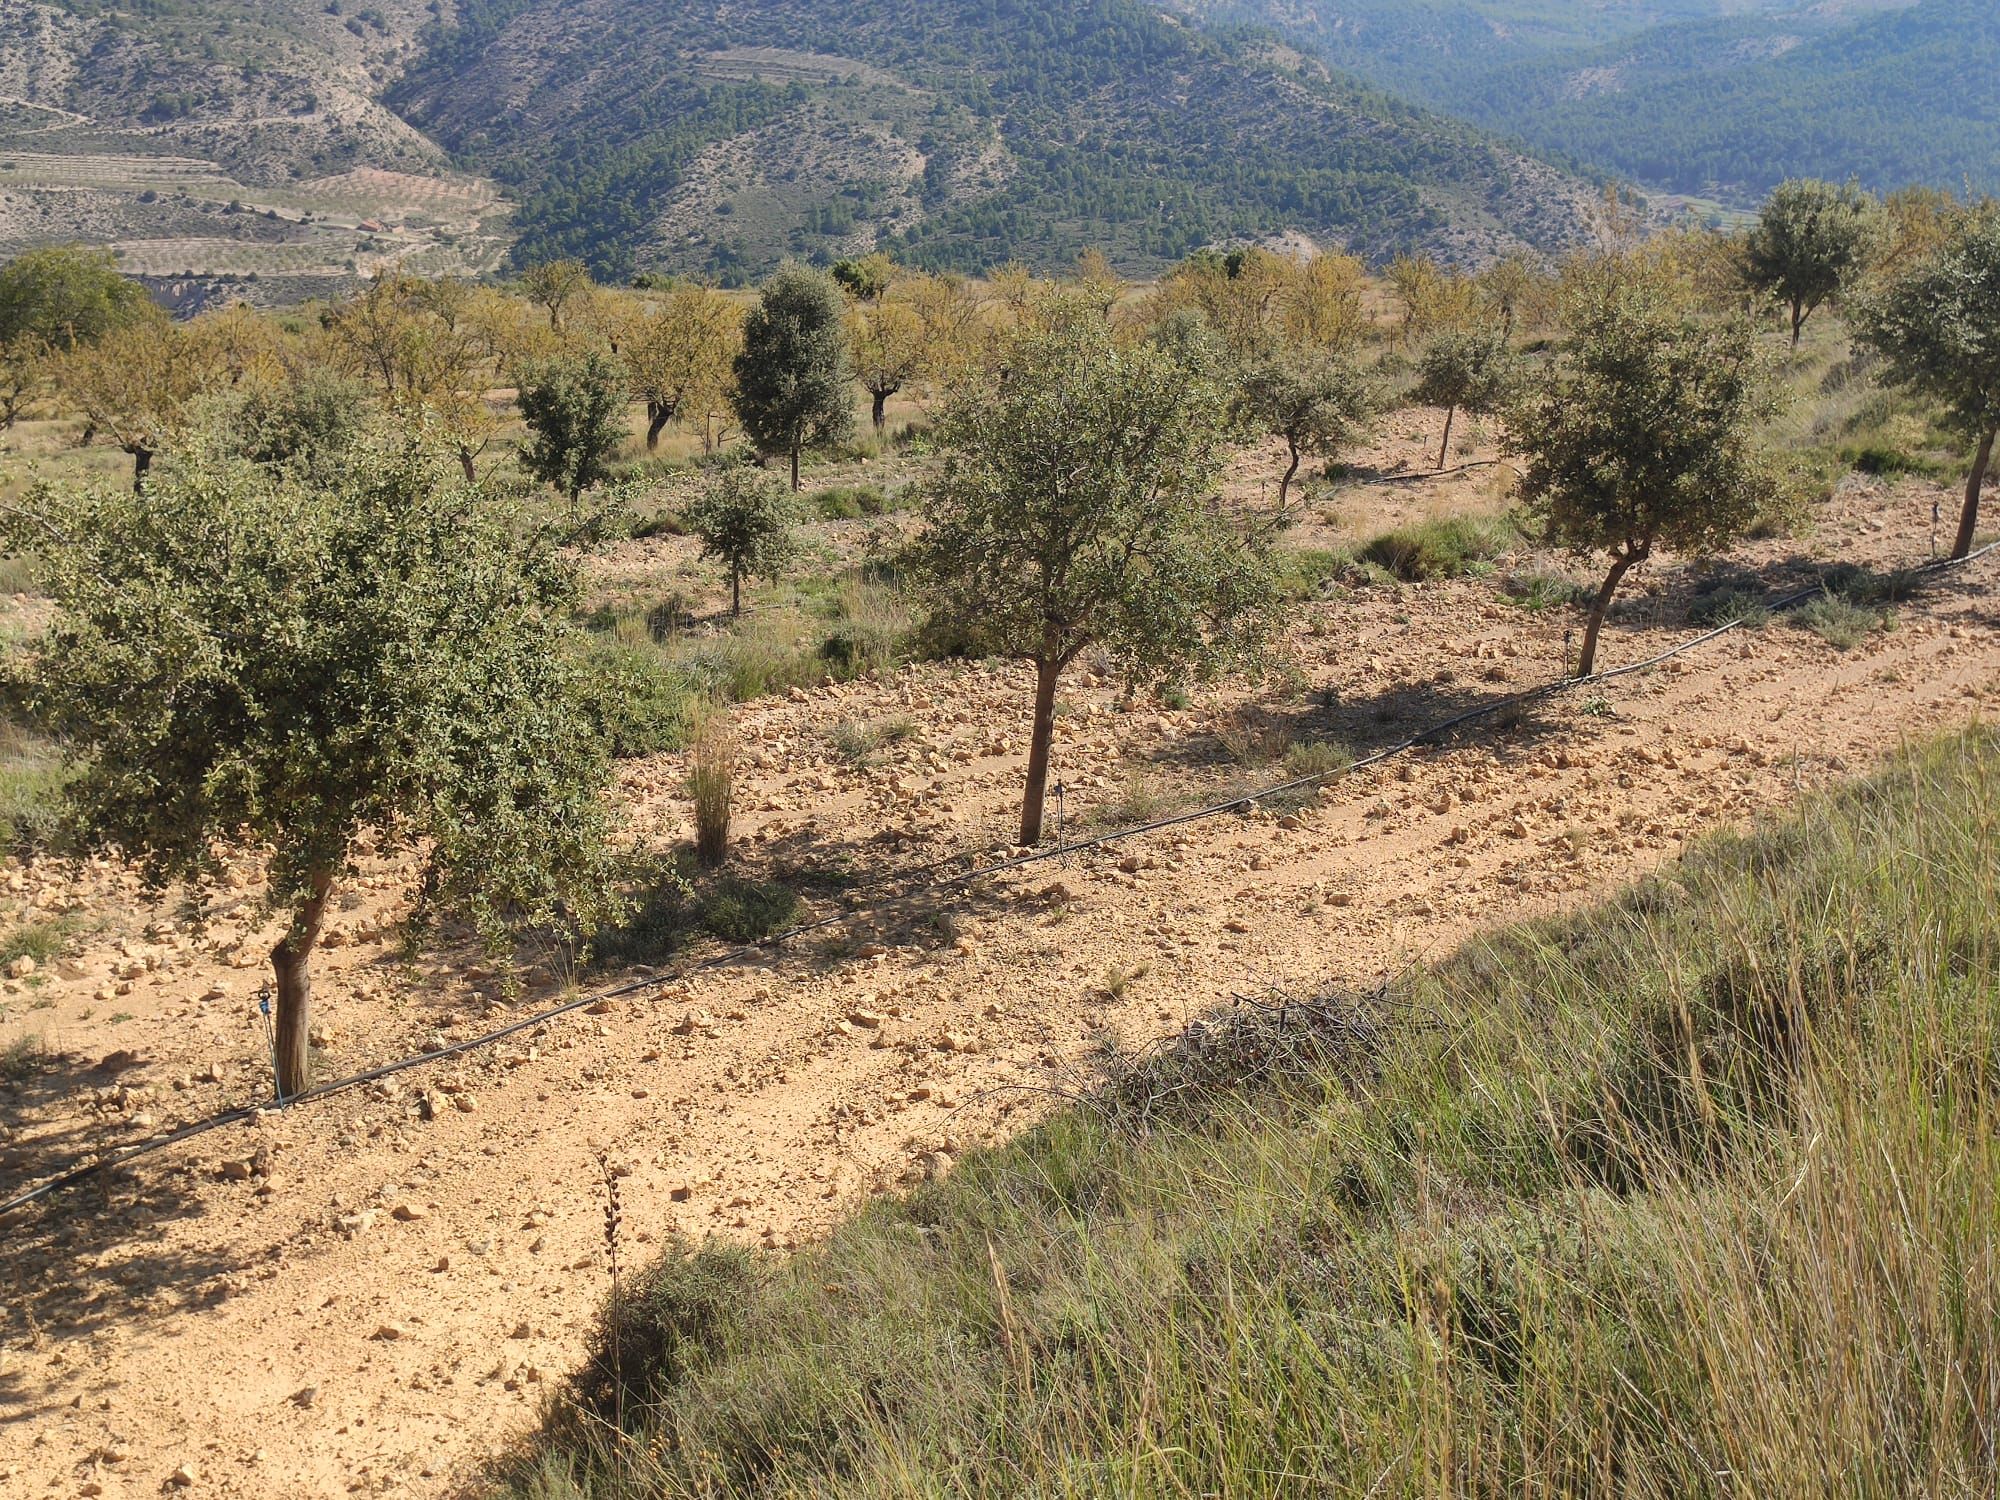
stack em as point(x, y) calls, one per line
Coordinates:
point(370, 1294)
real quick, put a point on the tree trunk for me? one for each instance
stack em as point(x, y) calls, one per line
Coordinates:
point(465, 464)
point(1798, 322)
point(142, 460)
point(1444, 448)
point(881, 411)
point(291, 965)
point(658, 414)
point(1046, 673)
point(735, 592)
point(1968, 518)
point(1600, 607)
point(1291, 473)
point(795, 468)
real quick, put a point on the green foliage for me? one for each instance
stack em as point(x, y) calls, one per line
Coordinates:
point(1730, 607)
point(1539, 589)
point(847, 502)
point(1644, 434)
point(1810, 244)
point(1464, 370)
point(31, 782)
point(793, 372)
point(1937, 330)
point(66, 294)
point(1300, 573)
point(1075, 507)
point(242, 660)
point(574, 404)
point(1318, 406)
point(313, 419)
point(641, 701)
point(1722, 1167)
point(44, 941)
point(1840, 621)
point(744, 521)
point(1937, 327)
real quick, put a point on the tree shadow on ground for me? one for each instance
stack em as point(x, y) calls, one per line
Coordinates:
point(94, 1254)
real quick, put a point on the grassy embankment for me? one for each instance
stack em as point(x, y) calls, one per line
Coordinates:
point(1696, 1193)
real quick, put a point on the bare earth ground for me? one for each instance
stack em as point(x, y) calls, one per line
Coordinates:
point(372, 1293)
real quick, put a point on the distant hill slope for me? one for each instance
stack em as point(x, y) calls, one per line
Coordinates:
point(1426, 50)
point(1701, 96)
point(237, 144)
point(1903, 97)
point(718, 136)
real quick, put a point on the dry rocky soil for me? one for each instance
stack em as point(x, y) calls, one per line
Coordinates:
point(371, 1293)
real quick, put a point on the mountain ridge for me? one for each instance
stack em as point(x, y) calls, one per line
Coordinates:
point(956, 134)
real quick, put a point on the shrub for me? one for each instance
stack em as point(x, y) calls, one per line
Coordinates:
point(1839, 621)
point(743, 911)
point(1304, 573)
point(44, 942)
point(1317, 758)
point(847, 502)
point(642, 702)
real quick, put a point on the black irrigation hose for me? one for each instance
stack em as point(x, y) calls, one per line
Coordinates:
point(1427, 735)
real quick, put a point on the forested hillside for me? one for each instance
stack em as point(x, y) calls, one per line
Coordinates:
point(720, 138)
point(1701, 96)
point(1904, 97)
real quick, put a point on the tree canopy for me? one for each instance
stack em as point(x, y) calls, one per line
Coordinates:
point(1937, 329)
point(1810, 243)
point(574, 405)
point(244, 661)
point(1316, 405)
point(67, 294)
point(1076, 508)
point(1643, 434)
point(793, 371)
point(744, 521)
point(1464, 370)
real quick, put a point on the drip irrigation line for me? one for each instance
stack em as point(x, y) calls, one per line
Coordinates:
point(932, 882)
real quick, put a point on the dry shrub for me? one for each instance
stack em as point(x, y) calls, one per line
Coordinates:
point(712, 785)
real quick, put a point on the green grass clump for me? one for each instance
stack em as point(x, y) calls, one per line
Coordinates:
point(847, 502)
point(1692, 1194)
point(1539, 589)
point(1449, 547)
point(1317, 758)
point(1840, 621)
point(44, 942)
point(1301, 573)
point(31, 783)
